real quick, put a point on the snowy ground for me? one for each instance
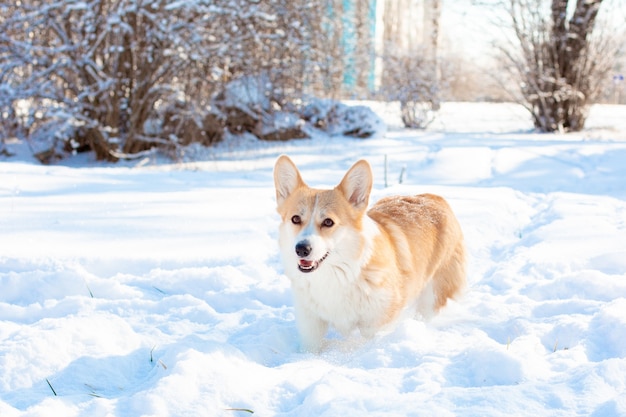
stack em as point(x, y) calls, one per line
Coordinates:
point(158, 291)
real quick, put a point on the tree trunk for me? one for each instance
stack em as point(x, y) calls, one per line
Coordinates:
point(558, 72)
point(571, 45)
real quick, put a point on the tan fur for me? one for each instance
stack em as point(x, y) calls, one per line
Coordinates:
point(369, 265)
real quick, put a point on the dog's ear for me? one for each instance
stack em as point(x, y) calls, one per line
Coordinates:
point(286, 178)
point(357, 184)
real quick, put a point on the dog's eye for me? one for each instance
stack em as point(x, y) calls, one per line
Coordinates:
point(296, 219)
point(328, 223)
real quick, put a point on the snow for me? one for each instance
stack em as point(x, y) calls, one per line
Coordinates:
point(157, 290)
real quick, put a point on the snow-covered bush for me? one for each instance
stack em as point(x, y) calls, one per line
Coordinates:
point(251, 104)
point(101, 67)
point(247, 106)
point(337, 118)
point(280, 125)
point(183, 124)
point(244, 101)
point(100, 72)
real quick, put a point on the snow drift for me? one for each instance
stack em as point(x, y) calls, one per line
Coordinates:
point(156, 290)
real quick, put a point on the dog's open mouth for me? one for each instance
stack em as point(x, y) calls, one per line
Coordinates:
point(309, 266)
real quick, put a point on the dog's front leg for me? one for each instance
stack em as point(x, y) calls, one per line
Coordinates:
point(311, 328)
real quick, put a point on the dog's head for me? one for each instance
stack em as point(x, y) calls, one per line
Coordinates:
point(320, 225)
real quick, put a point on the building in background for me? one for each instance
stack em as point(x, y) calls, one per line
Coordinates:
point(374, 31)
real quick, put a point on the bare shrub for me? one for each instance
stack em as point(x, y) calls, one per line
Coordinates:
point(410, 69)
point(559, 60)
point(409, 79)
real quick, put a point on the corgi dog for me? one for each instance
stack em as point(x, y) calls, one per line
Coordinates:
point(354, 268)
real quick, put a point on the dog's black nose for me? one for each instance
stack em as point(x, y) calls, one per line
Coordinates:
point(303, 249)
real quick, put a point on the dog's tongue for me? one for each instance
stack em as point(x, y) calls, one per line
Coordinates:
point(306, 264)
